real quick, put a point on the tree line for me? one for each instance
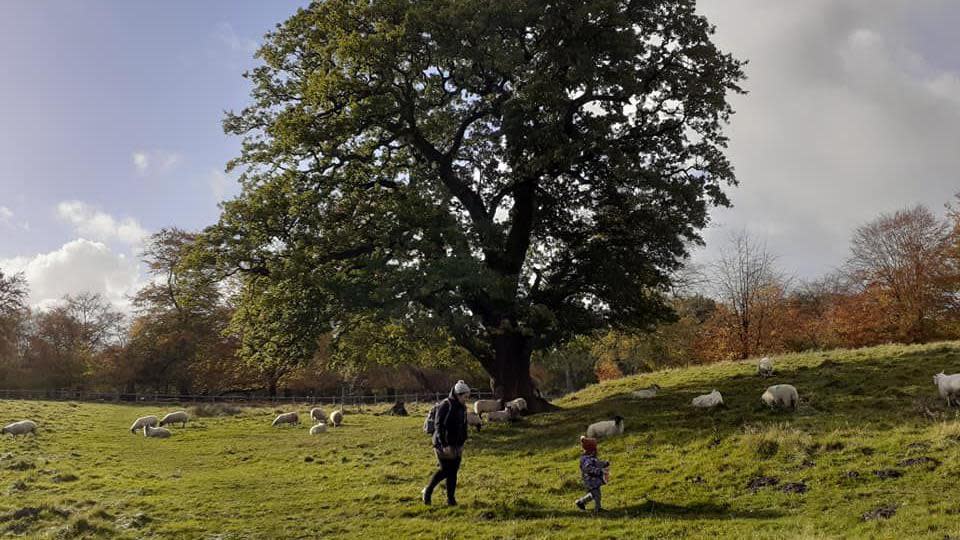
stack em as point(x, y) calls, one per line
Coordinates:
point(186, 335)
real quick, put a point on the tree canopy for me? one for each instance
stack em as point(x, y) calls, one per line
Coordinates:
point(514, 172)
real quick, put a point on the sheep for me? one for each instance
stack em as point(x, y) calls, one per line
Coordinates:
point(158, 433)
point(473, 419)
point(782, 395)
point(336, 418)
point(949, 386)
point(486, 405)
point(646, 393)
point(143, 421)
point(286, 418)
point(506, 415)
point(318, 429)
point(765, 367)
point(175, 417)
point(708, 401)
point(20, 428)
point(517, 405)
point(606, 428)
point(317, 415)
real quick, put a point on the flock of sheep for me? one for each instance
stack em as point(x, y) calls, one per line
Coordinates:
point(777, 396)
point(316, 414)
point(149, 424)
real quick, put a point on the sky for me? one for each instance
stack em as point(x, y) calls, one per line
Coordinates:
point(111, 126)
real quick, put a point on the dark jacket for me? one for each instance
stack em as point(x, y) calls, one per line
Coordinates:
point(451, 426)
point(591, 469)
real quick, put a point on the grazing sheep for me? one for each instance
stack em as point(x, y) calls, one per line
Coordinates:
point(143, 421)
point(517, 405)
point(286, 418)
point(606, 428)
point(765, 367)
point(473, 419)
point(782, 395)
point(318, 429)
point(708, 401)
point(486, 405)
point(336, 418)
point(159, 433)
point(949, 386)
point(175, 417)
point(20, 428)
point(506, 415)
point(646, 393)
point(317, 415)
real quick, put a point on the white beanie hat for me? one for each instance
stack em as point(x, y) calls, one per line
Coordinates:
point(461, 388)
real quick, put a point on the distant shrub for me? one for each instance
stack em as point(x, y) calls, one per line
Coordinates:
point(205, 410)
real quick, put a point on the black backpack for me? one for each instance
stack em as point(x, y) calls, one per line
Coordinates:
point(430, 423)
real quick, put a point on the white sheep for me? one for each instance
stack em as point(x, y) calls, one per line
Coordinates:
point(180, 417)
point(606, 428)
point(318, 429)
point(517, 405)
point(286, 418)
point(708, 401)
point(765, 367)
point(949, 386)
point(20, 428)
point(782, 395)
point(336, 418)
point(486, 405)
point(143, 421)
point(317, 415)
point(159, 433)
point(506, 415)
point(646, 393)
point(473, 419)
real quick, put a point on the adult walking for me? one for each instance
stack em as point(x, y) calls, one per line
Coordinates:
point(449, 435)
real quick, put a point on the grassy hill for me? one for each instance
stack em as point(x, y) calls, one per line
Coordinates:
point(871, 433)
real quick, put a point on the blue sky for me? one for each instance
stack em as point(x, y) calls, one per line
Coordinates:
point(110, 125)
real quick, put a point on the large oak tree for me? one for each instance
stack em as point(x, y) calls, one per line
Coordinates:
point(514, 172)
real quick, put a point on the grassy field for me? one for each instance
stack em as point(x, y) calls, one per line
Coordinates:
point(871, 433)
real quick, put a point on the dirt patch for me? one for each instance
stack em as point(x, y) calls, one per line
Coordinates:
point(919, 461)
point(851, 475)
point(21, 466)
point(867, 451)
point(756, 484)
point(834, 447)
point(884, 512)
point(794, 487)
point(885, 474)
point(696, 479)
point(61, 478)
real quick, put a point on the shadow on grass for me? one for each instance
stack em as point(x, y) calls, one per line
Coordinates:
point(647, 509)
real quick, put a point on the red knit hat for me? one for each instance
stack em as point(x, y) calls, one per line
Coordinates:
point(589, 445)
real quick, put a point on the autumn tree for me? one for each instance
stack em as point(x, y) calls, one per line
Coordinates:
point(13, 311)
point(751, 286)
point(910, 256)
point(515, 172)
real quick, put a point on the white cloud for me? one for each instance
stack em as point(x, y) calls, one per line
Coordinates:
point(99, 225)
point(146, 161)
point(226, 35)
point(78, 266)
point(5, 214)
point(850, 113)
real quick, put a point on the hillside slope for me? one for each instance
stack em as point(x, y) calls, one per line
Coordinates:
point(871, 433)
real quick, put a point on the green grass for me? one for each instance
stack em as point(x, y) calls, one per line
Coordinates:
point(677, 472)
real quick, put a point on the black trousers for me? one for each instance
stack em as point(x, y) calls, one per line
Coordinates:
point(448, 471)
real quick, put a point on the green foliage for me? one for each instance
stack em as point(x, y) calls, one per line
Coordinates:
point(519, 171)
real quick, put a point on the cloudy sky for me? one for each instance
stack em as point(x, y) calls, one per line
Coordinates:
point(111, 125)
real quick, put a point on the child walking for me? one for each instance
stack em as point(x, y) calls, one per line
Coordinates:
point(592, 469)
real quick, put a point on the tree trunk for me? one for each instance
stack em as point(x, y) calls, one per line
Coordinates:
point(272, 387)
point(510, 372)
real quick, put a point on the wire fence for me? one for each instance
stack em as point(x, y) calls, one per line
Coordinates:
point(357, 401)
